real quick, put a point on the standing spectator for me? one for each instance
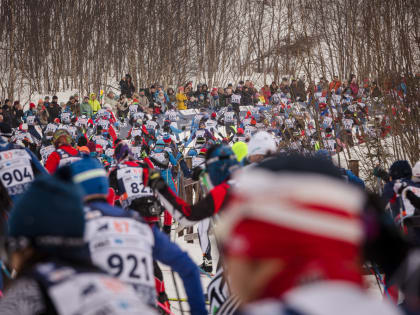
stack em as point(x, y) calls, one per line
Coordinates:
point(335, 84)
point(294, 90)
point(301, 88)
point(266, 92)
point(273, 87)
point(171, 94)
point(73, 106)
point(47, 101)
point(284, 85)
point(54, 109)
point(222, 97)
point(214, 99)
point(7, 113)
point(150, 93)
point(126, 86)
point(110, 99)
point(246, 98)
point(42, 113)
point(94, 103)
point(181, 98)
point(375, 91)
point(17, 112)
point(354, 86)
point(85, 108)
point(5, 130)
point(143, 100)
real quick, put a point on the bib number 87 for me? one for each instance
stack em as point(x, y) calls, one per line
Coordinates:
point(118, 264)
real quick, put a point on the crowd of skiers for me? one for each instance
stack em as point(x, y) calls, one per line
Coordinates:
point(90, 193)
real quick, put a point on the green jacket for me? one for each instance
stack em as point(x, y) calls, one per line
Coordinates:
point(86, 109)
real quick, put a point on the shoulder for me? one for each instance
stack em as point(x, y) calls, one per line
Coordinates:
point(23, 297)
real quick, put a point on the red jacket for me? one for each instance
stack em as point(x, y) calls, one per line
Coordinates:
point(54, 159)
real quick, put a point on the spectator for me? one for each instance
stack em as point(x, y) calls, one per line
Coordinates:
point(42, 113)
point(181, 98)
point(246, 98)
point(301, 92)
point(110, 99)
point(94, 103)
point(47, 101)
point(73, 106)
point(126, 86)
point(85, 108)
point(214, 99)
point(5, 130)
point(266, 92)
point(143, 100)
point(354, 87)
point(284, 85)
point(171, 95)
point(335, 84)
point(375, 91)
point(222, 97)
point(273, 87)
point(54, 109)
point(17, 112)
point(150, 93)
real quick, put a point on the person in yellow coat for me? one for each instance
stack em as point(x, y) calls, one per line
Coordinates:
point(94, 103)
point(181, 98)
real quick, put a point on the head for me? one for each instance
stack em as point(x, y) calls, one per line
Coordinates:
point(400, 169)
point(416, 172)
point(49, 218)
point(260, 146)
point(221, 162)
point(91, 177)
point(285, 203)
point(61, 137)
point(92, 96)
point(240, 149)
point(122, 152)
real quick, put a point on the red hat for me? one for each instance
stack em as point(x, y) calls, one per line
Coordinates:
point(32, 105)
point(253, 121)
point(213, 115)
point(57, 120)
point(308, 219)
point(240, 131)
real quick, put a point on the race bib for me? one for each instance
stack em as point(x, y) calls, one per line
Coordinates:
point(65, 117)
point(46, 151)
point(15, 170)
point(103, 123)
point(173, 116)
point(132, 178)
point(236, 99)
point(348, 124)
point(409, 208)
point(136, 132)
point(30, 120)
point(133, 109)
point(91, 293)
point(200, 133)
point(229, 116)
point(51, 128)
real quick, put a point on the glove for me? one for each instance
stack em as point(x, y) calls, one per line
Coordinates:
point(155, 180)
point(183, 128)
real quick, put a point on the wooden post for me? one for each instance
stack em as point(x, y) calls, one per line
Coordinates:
point(354, 167)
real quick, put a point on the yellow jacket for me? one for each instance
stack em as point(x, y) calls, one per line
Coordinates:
point(94, 103)
point(180, 99)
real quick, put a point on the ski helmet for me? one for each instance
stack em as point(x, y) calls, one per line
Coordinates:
point(221, 162)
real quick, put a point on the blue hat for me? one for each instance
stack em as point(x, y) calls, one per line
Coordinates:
point(50, 207)
point(89, 174)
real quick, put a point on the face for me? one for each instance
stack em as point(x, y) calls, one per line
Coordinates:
point(250, 277)
point(94, 97)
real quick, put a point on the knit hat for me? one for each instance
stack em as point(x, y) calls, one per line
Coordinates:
point(49, 213)
point(304, 214)
point(89, 174)
point(400, 169)
point(32, 105)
